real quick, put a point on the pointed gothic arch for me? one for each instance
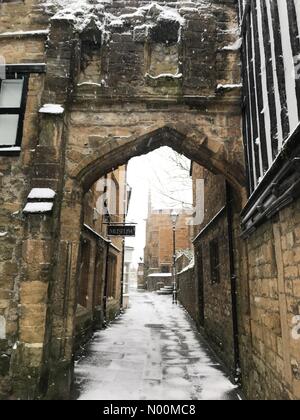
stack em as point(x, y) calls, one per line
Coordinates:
point(194, 145)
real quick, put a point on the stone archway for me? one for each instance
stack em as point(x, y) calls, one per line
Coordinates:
point(193, 144)
point(118, 103)
point(97, 140)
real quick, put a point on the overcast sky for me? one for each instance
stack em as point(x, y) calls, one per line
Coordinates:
point(170, 186)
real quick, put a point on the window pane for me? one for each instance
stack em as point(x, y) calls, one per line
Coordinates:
point(11, 93)
point(8, 129)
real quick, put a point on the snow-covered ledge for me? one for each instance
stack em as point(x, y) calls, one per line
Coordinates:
point(25, 34)
point(53, 109)
point(40, 207)
point(164, 76)
point(42, 193)
point(40, 200)
point(236, 46)
point(228, 87)
point(10, 150)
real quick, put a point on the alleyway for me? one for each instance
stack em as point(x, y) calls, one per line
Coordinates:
point(152, 352)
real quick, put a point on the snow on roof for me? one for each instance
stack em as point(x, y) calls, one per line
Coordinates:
point(42, 193)
point(188, 267)
point(163, 12)
point(189, 253)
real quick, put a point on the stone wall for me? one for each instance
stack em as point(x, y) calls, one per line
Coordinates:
point(217, 296)
point(156, 282)
point(273, 258)
point(214, 312)
point(267, 269)
point(14, 183)
point(187, 293)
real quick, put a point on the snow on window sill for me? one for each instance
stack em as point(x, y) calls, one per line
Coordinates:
point(13, 149)
point(42, 193)
point(53, 109)
point(45, 207)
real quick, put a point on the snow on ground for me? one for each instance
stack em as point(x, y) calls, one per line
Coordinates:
point(152, 352)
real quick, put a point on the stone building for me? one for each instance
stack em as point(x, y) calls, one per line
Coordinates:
point(96, 83)
point(101, 257)
point(216, 311)
point(88, 85)
point(158, 253)
point(263, 303)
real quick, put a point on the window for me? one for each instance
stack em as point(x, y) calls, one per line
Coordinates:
point(214, 261)
point(84, 273)
point(165, 268)
point(154, 262)
point(13, 92)
point(112, 276)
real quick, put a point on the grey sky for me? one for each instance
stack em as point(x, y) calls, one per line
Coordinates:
point(156, 172)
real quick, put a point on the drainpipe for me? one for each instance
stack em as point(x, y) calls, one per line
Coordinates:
point(233, 281)
point(122, 275)
point(106, 283)
point(107, 217)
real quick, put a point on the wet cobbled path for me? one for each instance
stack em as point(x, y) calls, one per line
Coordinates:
point(151, 352)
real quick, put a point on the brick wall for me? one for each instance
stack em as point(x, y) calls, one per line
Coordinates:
point(187, 291)
point(159, 239)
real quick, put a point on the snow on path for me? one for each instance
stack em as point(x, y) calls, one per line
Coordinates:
point(152, 352)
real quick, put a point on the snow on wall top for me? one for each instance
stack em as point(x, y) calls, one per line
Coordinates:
point(84, 12)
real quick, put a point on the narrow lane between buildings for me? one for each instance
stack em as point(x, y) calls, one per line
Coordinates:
point(151, 352)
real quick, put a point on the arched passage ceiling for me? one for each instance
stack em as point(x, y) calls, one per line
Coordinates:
point(198, 149)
